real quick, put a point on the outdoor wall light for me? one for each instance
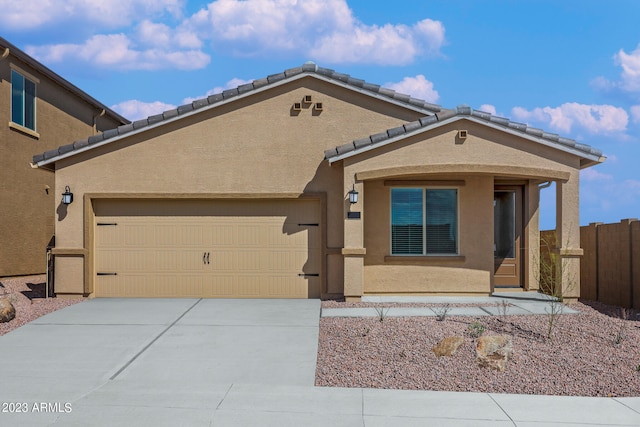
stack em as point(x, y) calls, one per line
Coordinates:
point(67, 196)
point(353, 195)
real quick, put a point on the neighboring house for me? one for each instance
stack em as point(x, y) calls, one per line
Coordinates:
point(39, 110)
point(247, 194)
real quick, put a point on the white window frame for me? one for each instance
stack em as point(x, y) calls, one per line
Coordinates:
point(424, 221)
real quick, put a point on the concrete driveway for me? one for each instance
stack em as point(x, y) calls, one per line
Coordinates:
point(170, 361)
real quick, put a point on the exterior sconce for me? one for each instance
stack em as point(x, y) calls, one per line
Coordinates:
point(353, 195)
point(67, 196)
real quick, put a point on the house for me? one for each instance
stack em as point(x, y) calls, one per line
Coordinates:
point(39, 111)
point(307, 184)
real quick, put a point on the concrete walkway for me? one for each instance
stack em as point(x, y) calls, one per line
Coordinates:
point(195, 362)
point(520, 303)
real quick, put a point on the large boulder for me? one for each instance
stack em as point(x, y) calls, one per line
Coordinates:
point(447, 346)
point(494, 351)
point(7, 310)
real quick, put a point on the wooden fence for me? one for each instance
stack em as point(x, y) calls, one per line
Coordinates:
point(610, 267)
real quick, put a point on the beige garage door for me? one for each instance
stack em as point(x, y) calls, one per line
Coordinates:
point(211, 249)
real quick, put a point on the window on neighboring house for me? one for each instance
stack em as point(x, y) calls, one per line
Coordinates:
point(23, 101)
point(424, 221)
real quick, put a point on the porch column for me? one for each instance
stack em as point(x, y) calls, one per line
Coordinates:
point(568, 251)
point(532, 234)
point(353, 250)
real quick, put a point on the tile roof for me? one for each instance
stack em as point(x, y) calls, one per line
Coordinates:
point(308, 68)
point(428, 122)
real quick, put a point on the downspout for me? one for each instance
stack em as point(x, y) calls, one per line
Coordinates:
point(545, 185)
point(95, 120)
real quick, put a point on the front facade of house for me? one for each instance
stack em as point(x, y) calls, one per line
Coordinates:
point(246, 194)
point(39, 111)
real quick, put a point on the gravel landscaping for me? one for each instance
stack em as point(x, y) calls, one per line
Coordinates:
point(27, 294)
point(593, 353)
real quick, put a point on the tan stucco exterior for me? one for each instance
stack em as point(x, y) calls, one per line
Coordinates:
point(438, 158)
point(258, 147)
point(28, 197)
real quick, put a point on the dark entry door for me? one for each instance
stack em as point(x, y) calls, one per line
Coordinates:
point(507, 233)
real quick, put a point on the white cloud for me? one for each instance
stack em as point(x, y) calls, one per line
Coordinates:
point(629, 77)
point(27, 15)
point(596, 119)
point(326, 30)
point(233, 83)
point(118, 51)
point(635, 113)
point(135, 110)
point(488, 108)
point(630, 63)
point(591, 174)
point(323, 30)
point(418, 87)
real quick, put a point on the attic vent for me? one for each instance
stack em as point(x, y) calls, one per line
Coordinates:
point(462, 134)
point(318, 106)
point(297, 106)
point(307, 99)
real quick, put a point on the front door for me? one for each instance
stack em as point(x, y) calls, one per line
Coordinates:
point(507, 234)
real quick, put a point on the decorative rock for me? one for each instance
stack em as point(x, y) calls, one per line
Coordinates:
point(493, 351)
point(7, 310)
point(447, 346)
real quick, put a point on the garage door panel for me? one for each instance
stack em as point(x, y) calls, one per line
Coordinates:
point(247, 248)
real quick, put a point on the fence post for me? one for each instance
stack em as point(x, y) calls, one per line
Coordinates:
point(629, 222)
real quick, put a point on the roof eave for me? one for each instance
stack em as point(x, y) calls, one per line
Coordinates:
point(61, 81)
point(583, 155)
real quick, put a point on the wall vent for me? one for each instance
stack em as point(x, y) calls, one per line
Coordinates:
point(318, 106)
point(462, 134)
point(307, 99)
point(297, 106)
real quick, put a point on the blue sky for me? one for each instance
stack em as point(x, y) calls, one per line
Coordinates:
point(570, 67)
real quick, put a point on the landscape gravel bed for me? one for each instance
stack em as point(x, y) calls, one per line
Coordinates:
point(593, 353)
point(27, 294)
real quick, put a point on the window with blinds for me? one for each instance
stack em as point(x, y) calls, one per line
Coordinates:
point(424, 221)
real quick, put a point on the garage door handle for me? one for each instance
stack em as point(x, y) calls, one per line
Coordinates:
point(106, 274)
point(208, 254)
point(309, 274)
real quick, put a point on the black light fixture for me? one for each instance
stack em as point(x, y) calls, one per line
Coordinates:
point(353, 195)
point(67, 196)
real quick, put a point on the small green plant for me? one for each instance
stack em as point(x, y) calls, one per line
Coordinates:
point(475, 329)
point(382, 313)
point(638, 368)
point(441, 312)
point(365, 332)
point(403, 354)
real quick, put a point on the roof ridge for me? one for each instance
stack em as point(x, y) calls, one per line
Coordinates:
point(308, 67)
point(459, 111)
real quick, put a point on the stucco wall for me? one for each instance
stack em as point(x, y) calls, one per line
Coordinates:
point(429, 156)
point(388, 274)
point(253, 146)
point(28, 196)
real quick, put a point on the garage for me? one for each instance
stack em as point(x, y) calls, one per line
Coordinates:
point(213, 248)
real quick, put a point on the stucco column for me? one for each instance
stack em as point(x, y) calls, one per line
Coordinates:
point(353, 250)
point(567, 249)
point(532, 233)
